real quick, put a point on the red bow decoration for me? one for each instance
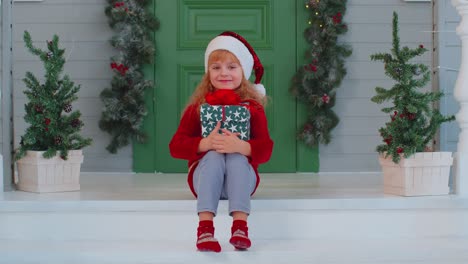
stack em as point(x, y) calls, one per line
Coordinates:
point(122, 69)
point(310, 67)
point(223, 97)
point(119, 4)
point(337, 18)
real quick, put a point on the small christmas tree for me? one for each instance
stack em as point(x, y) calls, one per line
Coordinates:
point(414, 119)
point(53, 126)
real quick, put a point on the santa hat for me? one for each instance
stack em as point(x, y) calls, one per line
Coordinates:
point(246, 55)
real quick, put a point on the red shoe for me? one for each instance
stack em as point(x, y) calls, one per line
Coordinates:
point(205, 237)
point(240, 235)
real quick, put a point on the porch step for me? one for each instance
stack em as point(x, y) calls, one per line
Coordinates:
point(323, 251)
point(388, 230)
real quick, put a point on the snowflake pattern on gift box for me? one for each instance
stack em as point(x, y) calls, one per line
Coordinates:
point(234, 118)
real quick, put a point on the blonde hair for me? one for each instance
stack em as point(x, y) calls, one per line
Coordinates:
point(246, 91)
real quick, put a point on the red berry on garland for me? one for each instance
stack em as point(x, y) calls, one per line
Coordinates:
point(307, 127)
point(325, 98)
point(337, 18)
point(119, 4)
point(124, 71)
point(421, 46)
point(47, 121)
point(399, 150)
point(67, 108)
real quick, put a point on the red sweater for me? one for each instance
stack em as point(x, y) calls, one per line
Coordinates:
point(184, 143)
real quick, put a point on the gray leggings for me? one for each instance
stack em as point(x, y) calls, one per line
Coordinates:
point(224, 176)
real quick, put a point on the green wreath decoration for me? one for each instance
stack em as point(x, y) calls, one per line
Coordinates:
point(315, 82)
point(124, 101)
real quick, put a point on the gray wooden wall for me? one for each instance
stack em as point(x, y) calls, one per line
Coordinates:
point(370, 31)
point(83, 29)
point(84, 32)
point(448, 59)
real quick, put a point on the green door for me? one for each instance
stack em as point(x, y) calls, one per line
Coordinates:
point(186, 28)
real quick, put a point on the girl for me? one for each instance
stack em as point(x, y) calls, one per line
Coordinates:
point(221, 164)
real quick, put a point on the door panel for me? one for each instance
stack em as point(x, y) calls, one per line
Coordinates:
point(186, 28)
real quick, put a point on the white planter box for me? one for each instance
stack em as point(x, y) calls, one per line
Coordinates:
point(37, 174)
point(424, 173)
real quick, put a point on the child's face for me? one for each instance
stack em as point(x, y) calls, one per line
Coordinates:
point(225, 74)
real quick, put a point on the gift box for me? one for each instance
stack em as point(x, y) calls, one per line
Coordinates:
point(235, 118)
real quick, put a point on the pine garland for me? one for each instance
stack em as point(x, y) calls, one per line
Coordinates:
point(53, 126)
point(414, 121)
point(314, 84)
point(125, 101)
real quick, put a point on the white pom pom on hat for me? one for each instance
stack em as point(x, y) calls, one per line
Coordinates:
point(244, 52)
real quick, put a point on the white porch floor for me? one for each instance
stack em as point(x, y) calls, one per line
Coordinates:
point(147, 186)
point(297, 218)
point(300, 190)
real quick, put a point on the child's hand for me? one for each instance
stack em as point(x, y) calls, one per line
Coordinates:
point(229, 142)
point(207, 143)
point(228, 133)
